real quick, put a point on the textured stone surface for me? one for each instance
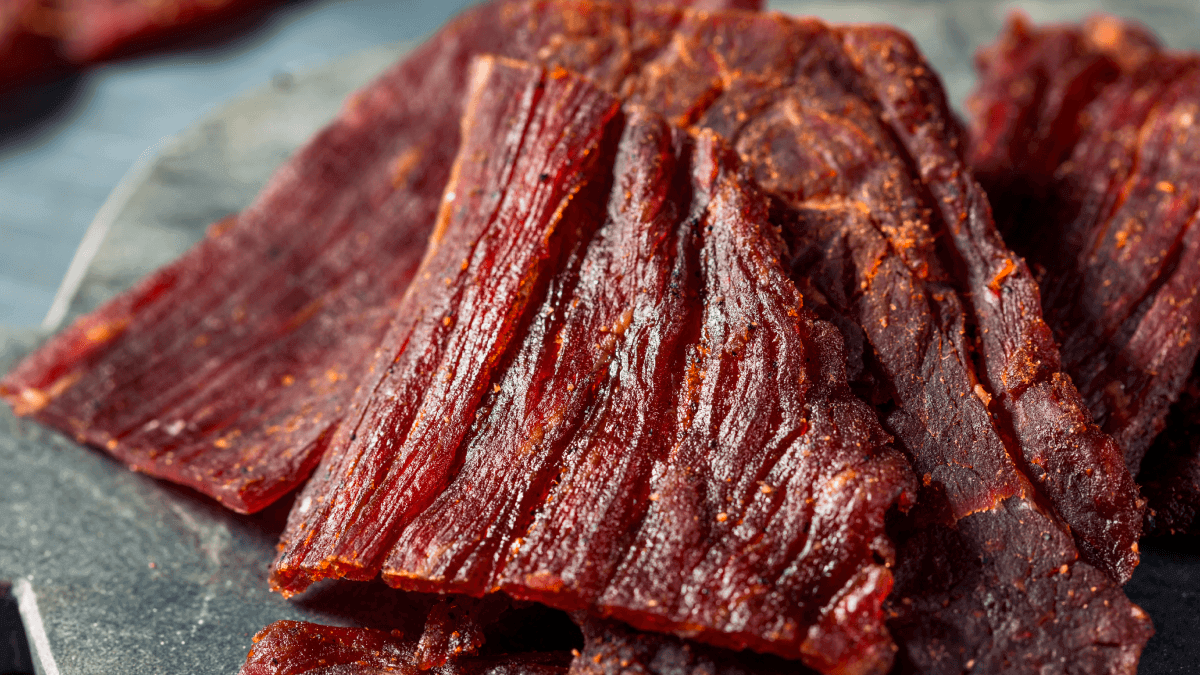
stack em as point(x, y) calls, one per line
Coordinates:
point(136, 576)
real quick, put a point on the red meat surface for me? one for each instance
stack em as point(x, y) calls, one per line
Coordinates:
point(1105, 211)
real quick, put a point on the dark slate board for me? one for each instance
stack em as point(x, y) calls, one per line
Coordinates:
point(136, 576)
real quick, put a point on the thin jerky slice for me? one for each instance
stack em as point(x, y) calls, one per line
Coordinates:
point(1108, 215)
point(1037, 406)
point(301, 648)
point(495, 244)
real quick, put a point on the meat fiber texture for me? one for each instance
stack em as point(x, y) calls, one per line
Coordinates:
point(606, 394)
point(228, 369)
point(1106, 213)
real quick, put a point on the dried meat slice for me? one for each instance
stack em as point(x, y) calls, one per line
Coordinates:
point(301, 648)
point(609, 648)
point(752, 79)
point(1071, 462)
point(531, 144)
point(1108, 216)
point(669, 403)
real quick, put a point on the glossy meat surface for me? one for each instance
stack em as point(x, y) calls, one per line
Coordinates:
point(667, 415)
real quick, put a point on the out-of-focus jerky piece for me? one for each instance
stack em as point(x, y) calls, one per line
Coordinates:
point(530, 144)
point(611, 648)
point(1025, 112)
point(722, 445)
point(1066, 456)
point(300, 648)
point(94, 30)
point(28, 48)
point(228, 369)
point(1170, 475)
point(1108, 214)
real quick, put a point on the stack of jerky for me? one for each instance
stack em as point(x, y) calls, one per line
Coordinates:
point(690, 322)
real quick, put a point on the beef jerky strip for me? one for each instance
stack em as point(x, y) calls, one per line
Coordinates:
point(768, 442)
point(821, 148)
point(1112, 225)
point(301, 648)
point(514, 182)
point(1111, 220)
point(808, 148)
point(609, 648)
point(1072, 463)
point(228, 369)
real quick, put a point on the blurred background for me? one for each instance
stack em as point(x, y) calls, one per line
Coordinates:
point(67, 140)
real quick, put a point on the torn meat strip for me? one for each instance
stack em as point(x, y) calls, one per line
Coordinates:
point(521, 173)
point(1107, 214)
point(670, 416)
